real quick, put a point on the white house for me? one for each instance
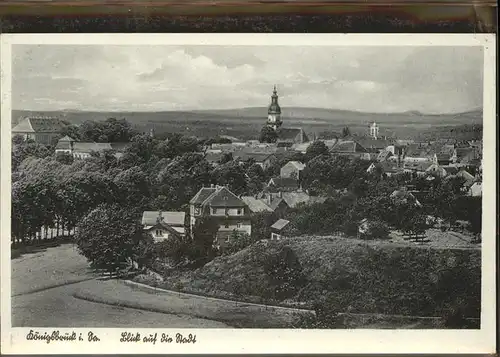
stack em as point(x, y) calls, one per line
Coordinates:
point(476, 190)
point(230, 212)
point(164, 225)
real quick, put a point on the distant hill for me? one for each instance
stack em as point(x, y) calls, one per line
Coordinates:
point(246, 123)
point(290, 115)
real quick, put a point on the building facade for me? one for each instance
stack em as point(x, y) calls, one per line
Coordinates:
point(164, 225)
point(230, 212)
point(43, 130)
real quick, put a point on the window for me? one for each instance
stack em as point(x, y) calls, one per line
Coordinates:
point(197, 210)
point(158, 232)
point(227, 211)
point(214, 210)
point(239, 211)
point(226, 225)
point(238, 225)
point(226, 239)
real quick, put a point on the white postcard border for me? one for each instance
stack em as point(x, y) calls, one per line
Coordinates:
point(13, 340)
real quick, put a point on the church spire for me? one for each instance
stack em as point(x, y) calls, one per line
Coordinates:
point(274, 111)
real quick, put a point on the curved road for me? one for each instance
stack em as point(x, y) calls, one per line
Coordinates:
point(43, 285)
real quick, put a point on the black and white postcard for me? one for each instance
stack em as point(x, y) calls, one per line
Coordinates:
point(248, 193)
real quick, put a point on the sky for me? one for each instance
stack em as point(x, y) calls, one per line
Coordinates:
point(159, 78)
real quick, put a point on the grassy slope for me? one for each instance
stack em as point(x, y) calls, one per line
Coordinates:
point(363, 277)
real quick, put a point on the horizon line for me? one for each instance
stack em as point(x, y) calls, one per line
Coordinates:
point(417, 112)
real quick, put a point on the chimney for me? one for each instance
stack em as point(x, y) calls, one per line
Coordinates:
point(280, 194)
point(269, 198)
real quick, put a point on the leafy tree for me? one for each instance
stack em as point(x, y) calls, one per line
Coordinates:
point(261, 225)
point(226, 157)
point(204, 233)
point(377, 230)
point(237, 241)
point(182, 178)
point(111, 130)
point(64, 158)
point(27, 149)
point(256, 179)
point(133, 187)
point(177, 145)
point(268, 135)
point(141, 147)
point(71, 130)
point(231, 175)
point(317, 148)
point(17, 140)
point(81, 192)
point(32, 206)
point(111, 238)
point(284, 272)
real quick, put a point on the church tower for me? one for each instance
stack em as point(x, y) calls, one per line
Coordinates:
point(274, 112)
point(374, 131)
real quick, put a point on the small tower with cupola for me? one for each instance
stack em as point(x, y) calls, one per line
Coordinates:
point(374, 131)
point(274, 112)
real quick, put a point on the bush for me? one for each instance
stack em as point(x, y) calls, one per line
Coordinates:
point(284, 272)
point(326, 315)
point(237, 241)
point(111, 238)
point(377, 230)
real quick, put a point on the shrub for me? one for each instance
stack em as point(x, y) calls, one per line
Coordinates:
point(237, 241)
point(326, 315)
point(111, 238)
point(284, 272)
point(377, 230)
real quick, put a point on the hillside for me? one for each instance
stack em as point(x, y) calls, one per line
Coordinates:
point(362, 277)
point(245, 123)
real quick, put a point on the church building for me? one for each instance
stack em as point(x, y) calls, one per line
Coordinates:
point(286, 136)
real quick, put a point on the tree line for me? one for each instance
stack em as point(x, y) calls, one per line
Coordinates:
point(59, 192)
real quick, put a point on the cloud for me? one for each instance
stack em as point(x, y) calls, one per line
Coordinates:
point(373, 79)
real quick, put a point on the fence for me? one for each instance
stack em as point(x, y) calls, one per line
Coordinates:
point(45, 235)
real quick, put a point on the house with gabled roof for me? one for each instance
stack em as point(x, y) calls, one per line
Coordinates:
point(263, 159)
point(289, 136)
point(266, 203)
point(229, 211)
point(350, 148)
point(41, 129)
point(164, 225)
point(292, 169)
